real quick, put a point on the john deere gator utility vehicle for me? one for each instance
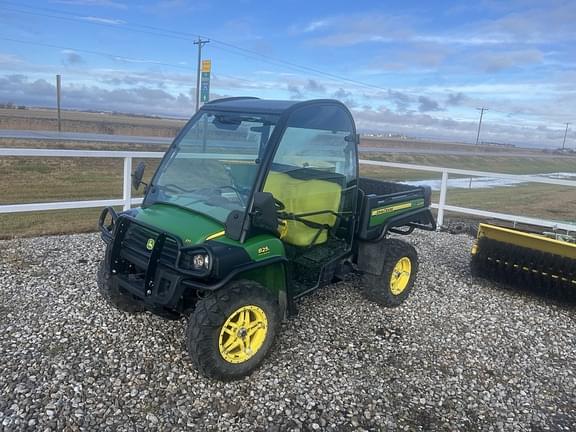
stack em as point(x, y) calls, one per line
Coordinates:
point(256, 204)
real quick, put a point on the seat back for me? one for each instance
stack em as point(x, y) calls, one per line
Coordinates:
point(305, 196)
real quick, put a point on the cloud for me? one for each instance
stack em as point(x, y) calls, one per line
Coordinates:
point(134, 60)
point(536, 22)
point(401, 100)
point(341, 94)
point(72, 57)
point(362, 28)
point(9, 60)
point(345, 97)
point(427, 104)
point(95, 3)
point(100, 20)
point(315, 25)
point(295, 91)
point(175, 6)
point(511, 23)
point(136, 99)
point(491, 61)
point(456, 99)
point(409, 110)
point(314, 87)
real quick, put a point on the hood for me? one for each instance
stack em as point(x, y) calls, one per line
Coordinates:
point(192, 228)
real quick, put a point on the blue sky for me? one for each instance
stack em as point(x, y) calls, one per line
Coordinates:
point(414, 67)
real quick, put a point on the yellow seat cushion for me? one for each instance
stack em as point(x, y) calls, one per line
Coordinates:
point(305, 196)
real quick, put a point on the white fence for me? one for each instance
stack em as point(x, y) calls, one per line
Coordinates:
point(127, 201)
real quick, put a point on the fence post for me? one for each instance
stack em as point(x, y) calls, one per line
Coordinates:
point(127, 187)
point(442, 202)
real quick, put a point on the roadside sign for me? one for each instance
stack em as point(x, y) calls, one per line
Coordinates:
point(205, 81)
point(206, 65)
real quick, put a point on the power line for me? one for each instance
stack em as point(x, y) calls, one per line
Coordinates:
point(98, 53)
point(157, 31)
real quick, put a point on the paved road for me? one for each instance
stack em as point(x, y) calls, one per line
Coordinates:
point(132, 139)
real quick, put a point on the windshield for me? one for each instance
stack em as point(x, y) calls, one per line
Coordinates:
point(212, 167)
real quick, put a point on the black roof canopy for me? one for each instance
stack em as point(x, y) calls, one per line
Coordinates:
point(255, 105)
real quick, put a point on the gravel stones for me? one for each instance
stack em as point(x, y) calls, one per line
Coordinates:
point(459, 354)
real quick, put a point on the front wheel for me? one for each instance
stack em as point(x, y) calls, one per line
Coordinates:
point(232, 330)
point(393, 286)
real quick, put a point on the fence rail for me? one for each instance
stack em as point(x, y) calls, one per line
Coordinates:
point(127, 201)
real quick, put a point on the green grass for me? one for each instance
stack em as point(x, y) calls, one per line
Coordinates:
point(530, 199)
point(505, 165)
point(28, 180)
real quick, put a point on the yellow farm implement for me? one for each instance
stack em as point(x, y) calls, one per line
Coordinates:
point(525, 260)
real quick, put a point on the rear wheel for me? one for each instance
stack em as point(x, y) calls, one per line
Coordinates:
point(231, 330)
point(399, 268)
point(113, 296)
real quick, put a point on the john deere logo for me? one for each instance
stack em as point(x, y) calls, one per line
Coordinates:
point(150, 244)
point(263, 250)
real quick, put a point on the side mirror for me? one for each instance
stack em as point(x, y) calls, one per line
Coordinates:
point(137, 175)
point(233, 225)
point(264, 215)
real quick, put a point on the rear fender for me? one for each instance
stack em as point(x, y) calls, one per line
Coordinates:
point(370, 258)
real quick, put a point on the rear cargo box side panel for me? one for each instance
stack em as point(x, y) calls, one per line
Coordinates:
point(379, 215)
point(384, 200)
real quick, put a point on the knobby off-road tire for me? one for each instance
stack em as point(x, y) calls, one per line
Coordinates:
point(113, 296)
point(208, 343)
point(399, 268)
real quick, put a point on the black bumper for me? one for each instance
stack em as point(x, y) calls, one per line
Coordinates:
point(152, 274)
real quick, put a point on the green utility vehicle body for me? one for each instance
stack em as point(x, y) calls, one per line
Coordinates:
point(260, 191)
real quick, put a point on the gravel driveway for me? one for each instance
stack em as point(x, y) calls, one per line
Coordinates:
point(459, 355)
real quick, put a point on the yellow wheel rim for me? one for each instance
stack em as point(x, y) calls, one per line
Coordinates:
point(400, 276)
point(243, 334)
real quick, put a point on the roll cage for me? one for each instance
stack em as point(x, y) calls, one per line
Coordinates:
point(267, 151)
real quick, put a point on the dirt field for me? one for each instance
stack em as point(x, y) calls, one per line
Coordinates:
point(423, 144)
point(76, 121)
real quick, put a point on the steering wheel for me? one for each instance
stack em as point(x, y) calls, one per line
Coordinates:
point(238, 193)
point(279, 205)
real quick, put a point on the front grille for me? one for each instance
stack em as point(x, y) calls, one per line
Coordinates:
point(137, 238)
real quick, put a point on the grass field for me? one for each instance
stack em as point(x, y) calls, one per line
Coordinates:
point(26, 180)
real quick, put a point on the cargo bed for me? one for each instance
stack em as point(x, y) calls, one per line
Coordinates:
point(394, 207)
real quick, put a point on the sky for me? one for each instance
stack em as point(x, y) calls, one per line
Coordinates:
point(416, 67)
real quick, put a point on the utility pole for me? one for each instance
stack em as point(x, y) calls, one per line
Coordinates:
point(565, 133)
point(478, 136)
point(200, 44)
point(58, 102)
point(480, 122)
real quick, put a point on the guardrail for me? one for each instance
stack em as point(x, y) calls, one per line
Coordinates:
point(127, 201)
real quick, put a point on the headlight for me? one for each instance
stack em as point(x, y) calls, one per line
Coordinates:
point(198, 261)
